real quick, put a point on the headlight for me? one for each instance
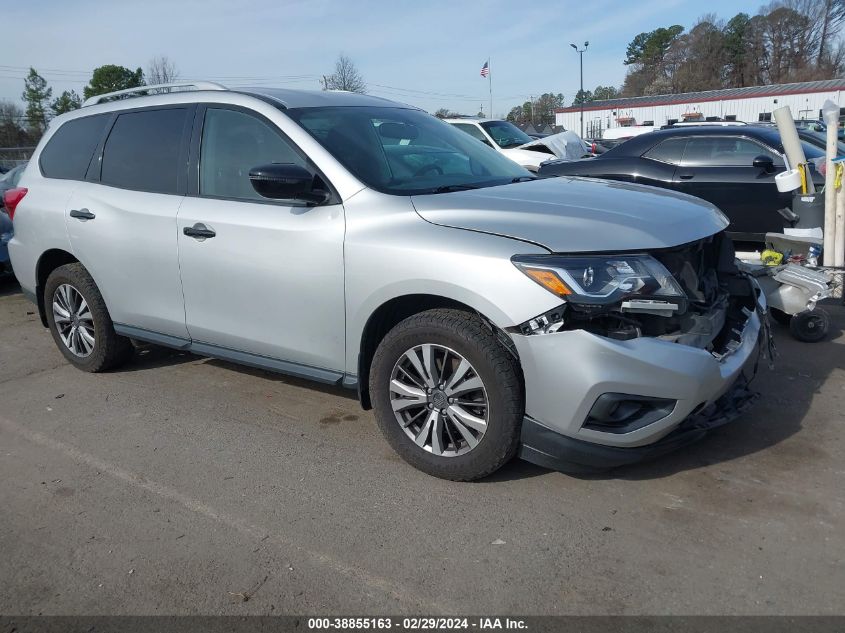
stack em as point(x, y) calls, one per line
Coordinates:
point(600, 280)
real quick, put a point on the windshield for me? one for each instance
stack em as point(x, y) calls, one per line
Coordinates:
point(811, 151)
point(819, 140)
point(405, 152)
point(506, 134)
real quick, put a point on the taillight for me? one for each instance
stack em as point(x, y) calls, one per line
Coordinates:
point(594, 148)
point(12, 198)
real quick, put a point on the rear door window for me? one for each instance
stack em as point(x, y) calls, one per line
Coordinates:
point(142, 150)
point(70, 149)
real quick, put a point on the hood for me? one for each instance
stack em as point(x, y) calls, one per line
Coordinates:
point(571, 215)
point(565, 144)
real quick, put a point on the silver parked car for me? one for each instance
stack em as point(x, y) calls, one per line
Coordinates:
point(355, 241)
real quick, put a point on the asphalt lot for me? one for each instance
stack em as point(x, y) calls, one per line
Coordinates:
point(184, 485)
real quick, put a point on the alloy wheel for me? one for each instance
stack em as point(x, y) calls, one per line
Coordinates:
point(74, 321)
point(439, 400)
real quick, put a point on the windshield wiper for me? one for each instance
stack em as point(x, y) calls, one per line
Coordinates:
point(524, 178)
point(450, 188)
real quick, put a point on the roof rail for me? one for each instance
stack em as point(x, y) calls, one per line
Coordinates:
point(192, 85)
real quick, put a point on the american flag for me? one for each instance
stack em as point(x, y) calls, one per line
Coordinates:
point(485, 69)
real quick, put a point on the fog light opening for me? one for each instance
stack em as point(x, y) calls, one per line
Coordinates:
point(623, 413)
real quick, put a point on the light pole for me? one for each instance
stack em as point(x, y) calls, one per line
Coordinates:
point(581, 52)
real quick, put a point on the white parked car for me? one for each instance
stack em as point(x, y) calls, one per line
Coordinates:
point(506, 138)
point(625, 132)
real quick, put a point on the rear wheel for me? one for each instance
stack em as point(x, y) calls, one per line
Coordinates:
point(80, 323)
point(447, 395)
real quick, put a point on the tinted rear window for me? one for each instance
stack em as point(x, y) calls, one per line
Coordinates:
point(70, 149)
point(142, 151)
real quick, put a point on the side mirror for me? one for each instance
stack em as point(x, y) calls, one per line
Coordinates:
point(765, 163)
point(286, 181)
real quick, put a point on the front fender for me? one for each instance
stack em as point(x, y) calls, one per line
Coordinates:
point(400, 254)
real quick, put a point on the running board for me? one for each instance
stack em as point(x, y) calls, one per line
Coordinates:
point(326, 376)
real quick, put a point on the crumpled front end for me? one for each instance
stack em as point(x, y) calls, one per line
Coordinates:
point(607, 385)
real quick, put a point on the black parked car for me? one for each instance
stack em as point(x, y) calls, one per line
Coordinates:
point(732, 167)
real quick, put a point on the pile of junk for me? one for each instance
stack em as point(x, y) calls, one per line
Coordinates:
point(804, 264)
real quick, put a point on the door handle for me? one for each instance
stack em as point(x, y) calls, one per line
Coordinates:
point(198, 231)
point(686, 176)
point(82, 214)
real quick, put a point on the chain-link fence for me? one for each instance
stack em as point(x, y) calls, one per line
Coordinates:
point(838, 275)
point(14, 156)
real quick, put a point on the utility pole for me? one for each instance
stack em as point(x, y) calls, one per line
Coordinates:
point(581, 52)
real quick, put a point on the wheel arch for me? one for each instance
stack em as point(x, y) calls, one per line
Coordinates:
point(47, 263)
point(390, 313)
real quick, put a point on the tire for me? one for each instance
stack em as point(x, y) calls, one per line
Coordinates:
point(454, 336)
point(780, 316)
point(108, 350)
point(810, 326)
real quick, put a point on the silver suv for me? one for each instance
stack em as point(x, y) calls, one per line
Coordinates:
point(480, 311)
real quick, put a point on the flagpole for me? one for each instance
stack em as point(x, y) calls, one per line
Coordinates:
point(490, 84)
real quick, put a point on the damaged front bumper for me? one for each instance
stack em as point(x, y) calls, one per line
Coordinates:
point(669, 394)
point(550, 449)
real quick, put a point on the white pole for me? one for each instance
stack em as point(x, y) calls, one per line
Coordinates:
point(490, 85)
point(791, 142)
point(838, 241)
point(831, 118)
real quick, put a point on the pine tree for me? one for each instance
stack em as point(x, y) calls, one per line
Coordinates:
point(37, 95)
point(66, 102)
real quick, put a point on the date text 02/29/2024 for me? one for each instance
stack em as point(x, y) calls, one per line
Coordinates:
point(415, 623)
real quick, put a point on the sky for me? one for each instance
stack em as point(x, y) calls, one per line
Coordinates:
point(427, 53)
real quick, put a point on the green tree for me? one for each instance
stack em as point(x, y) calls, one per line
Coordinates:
point(37, 95)
point(66, 102)
point(110, 78)
point(446, 113)
point(543, 109)
point(736, 50)
point(582, 96)
point(649, 48)
point(515, 115)
point(605, 92)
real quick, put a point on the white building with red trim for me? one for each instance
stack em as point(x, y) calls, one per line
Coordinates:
point(751, 104)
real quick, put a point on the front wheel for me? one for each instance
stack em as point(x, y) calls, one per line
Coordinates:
point(447, 395)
